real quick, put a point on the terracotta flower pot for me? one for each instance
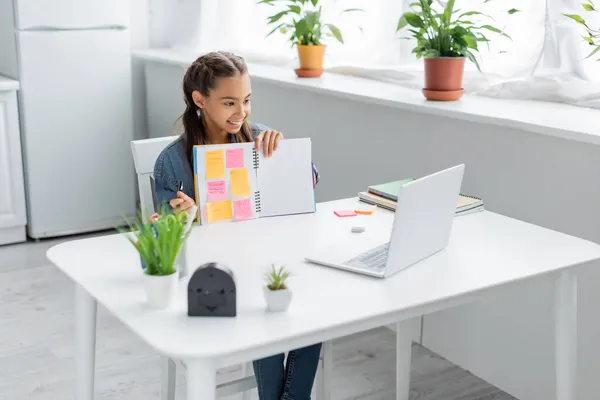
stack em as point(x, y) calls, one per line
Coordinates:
point(444, 78)
point(311, 60)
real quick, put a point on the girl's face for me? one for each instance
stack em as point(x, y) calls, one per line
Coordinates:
point(228, 104)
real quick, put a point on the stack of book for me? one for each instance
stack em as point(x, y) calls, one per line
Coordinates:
point(385, 195)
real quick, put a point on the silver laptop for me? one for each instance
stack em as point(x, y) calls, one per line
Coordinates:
point(422, 224)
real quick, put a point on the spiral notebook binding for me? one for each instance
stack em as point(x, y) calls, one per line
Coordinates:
point(255, 161)
point(257, 201)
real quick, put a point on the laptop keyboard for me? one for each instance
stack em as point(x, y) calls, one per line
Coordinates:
point(373, 259)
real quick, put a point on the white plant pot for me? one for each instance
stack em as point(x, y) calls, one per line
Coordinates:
point(277, 300)
point(160, 290)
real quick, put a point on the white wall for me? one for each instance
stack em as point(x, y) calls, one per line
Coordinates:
point(174, 23)
point(163, 82)
point(139, 13)
point(544, 180)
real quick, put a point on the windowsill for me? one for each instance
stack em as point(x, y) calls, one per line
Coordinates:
point(546, 118)
point(8, 84)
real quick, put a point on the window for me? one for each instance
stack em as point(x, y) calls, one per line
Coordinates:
point(514, 57)
point(560, 74)
point(544, 59)
point(369, 36)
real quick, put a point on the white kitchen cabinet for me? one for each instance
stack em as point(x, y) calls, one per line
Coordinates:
point(13, 218)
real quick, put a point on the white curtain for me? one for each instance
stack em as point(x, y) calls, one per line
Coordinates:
point(543, 61)
point(241, 26)
point(561, 73)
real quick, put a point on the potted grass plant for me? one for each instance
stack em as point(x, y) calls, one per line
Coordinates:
point(277, 294)
point(445, 37)
point(592, 35)
point(159, 242)
point(302, 20)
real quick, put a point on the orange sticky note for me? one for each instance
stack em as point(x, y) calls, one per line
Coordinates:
point(215, 164)
point(238, 179)
point(365, 210)
point(219, 211)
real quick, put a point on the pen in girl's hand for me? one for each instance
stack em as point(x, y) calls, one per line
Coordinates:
point(180, 186)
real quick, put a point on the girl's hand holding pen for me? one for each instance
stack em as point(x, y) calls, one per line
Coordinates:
point(182, 202)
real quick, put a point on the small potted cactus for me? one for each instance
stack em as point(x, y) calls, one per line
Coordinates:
point(277, 293)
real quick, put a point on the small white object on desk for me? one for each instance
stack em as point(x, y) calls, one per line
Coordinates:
point(358, 229)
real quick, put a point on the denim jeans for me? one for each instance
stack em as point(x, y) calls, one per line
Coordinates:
point(294, 381)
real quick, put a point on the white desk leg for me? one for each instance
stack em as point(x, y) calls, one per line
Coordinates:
point(168, 373)
point(246, 371)
point(201, 381)
point(566, 336)
point(403, 355)
point(326, 378)
point(85, 343)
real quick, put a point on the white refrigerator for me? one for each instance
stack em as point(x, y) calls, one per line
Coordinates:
point(73, 61)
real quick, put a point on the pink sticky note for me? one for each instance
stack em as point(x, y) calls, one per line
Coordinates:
point(235, 158)
point(216, 190)
point(242, 209)
point(345, 213)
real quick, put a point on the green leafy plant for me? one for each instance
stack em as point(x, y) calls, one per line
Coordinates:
point(302, 19)
point(158, 240)
point(277, 277)
point(443, 31)
point(592, 35)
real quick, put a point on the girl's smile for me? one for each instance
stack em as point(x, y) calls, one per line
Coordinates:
point(235, 124)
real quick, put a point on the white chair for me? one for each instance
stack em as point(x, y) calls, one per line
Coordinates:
point(145, 152)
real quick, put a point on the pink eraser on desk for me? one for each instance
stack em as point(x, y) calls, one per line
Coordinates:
point(345, 213)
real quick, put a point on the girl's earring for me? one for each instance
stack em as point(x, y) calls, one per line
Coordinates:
point(199, 112)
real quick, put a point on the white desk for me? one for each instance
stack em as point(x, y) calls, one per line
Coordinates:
point(487, 252)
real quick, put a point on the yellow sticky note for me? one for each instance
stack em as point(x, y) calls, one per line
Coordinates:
point(238, 179)
point(215, 164)
point(219, 211)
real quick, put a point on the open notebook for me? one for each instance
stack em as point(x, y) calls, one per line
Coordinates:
point(233, 182)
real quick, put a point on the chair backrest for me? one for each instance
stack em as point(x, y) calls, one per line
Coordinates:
point(145, 152)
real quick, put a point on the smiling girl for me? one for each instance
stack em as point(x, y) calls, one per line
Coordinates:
point(217, 95)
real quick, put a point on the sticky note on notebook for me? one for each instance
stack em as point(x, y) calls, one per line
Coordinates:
point(242, 209)
point(238, 179)
point(216, 190)
point(345, 213)
point(215, 164)
point(219, 211)
point(235, 158)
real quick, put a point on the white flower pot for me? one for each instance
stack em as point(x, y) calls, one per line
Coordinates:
point(277, 300)
point(160, 290)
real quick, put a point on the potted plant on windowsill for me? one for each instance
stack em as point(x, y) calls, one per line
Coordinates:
point(277, 294)
point(159, 242)
point(592, 34)
point(302, 20)
point(444, 38)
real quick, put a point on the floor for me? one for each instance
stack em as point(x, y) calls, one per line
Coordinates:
point(36, 348)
